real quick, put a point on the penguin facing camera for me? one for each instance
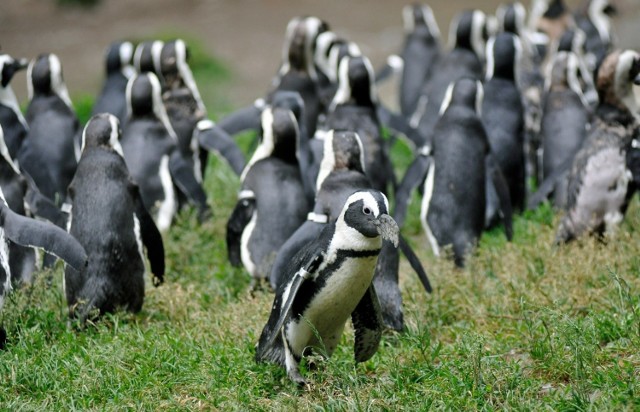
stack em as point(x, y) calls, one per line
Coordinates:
point(328, 281)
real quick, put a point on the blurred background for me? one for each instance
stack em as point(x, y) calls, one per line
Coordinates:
point(243, 38)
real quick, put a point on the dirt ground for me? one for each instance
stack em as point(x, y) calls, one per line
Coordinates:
point(245, 34)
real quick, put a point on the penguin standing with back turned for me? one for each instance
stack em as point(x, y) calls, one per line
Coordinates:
point(119, 69)
point(12, 121)
point(112, 225)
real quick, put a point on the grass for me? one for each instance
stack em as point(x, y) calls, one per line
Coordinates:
point(525, 325)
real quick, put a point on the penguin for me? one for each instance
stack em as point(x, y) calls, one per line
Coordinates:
point(354, 109)
point(565, 121)
point(24, 199)
point(548, 19)
point(271, 202)
point(297, 73)
point(595, 21)
point(146, 57)
point(150, 149)
point(419, 55)
point(11, 119)
point(119, 69)
point(20, 230)
point(600, 182)
point(327, 282)
point(342, 173)
point(503, 114)
point(112, 225)
point(183, 103)
point(453, 206)
point(468, 36)
point(50, 151)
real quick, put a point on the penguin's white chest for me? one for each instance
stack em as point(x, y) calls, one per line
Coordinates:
point(323, 321)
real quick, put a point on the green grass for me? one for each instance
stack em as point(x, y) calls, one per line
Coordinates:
point(524, 326)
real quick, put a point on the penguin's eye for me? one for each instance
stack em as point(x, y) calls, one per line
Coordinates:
point(366, 210)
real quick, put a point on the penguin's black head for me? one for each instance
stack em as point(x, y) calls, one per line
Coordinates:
point(465, 92)
point(143, 95)
point(143, 58)
point(355, 82)
point(419, 18)
point(469, 31)
point(297, 55)
point(346, 149)
point(174, 56)
point(366, 212)
point(555, 9)
point(10, 66)
point(339, 51)
point(103, 129)
point(503, 56)
point(511, 17)
point(619, 71)
point(279, 135)
point(289, 100)
point(119, 55)
point(42, 71)
point(573, 40)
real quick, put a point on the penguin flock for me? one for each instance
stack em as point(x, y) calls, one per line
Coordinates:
point(516, 110)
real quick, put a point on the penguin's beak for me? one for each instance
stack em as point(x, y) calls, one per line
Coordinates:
point(388, 229)
point(11, 69)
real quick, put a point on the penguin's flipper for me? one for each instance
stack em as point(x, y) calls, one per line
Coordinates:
point(502, 189)
point(290, 291)
point(183, 175)
point(151, 239)
point(416, 173)
point(240, 217)
point(43, 207)
point(398, 123)
point(415, 263)
point(214, 138)
point(30, 232)
point(548, 185)
point(303, 235)
point(247, 118)
point(367, 324)
point(392, 66)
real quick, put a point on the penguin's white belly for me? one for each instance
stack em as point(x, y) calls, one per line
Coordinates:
point(330, 308)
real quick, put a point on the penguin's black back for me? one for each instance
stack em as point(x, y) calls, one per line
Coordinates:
point(14, 130)
point(112, 98)
point(103, 207)
point(457, 207)
point(145, 142)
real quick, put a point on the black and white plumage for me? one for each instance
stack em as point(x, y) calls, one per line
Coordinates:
point(112, 224)
point(50, 151)
point(600, 180)
point(271, 203)
point(595, 21)
point(119, 69)
point(11, 119)
point(146, 56)
point(503, 114)
point(354, 109)
point(327, 282)
point(468, 36)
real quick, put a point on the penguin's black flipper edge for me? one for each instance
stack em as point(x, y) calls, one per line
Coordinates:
point(216, 139)
point(502, 189)
point(183, 176)
point(151, 239)
point(368, 325)
point(240, 217)
point(399, 124)
point(247, 118)
point(42, 206)
point(416, 173)
point(291, 290)
point(30, 232)
point(415, 263)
